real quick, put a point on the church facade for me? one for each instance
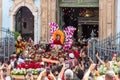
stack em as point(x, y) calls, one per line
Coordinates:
point(101, 14)
point(107, 18)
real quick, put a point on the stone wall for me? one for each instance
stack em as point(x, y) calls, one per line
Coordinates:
point(29, 1)
point(48, 14)
point(107, 18)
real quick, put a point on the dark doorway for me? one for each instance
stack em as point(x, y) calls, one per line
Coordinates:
point(84, 18)
point(24, 21)
point(87, 30)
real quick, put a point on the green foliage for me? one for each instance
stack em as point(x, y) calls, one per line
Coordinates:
point(16, 34)
point(118, 58)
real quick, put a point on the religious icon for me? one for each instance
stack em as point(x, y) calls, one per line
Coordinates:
point(58, 37)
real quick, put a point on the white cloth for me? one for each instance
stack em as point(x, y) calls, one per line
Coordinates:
point(42, 69)
point(8, 78)
point(20, 60)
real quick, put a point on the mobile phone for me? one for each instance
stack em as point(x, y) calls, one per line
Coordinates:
point(29, 75)
point(66, 65)
point(47, 71)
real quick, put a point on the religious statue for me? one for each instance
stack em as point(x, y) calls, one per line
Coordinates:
point(58, 40)
point(19, 44)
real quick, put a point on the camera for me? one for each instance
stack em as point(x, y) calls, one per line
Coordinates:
point(29, 75)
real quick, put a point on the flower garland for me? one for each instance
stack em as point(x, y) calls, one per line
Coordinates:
point(24, 71)
point(69, 31)
point(53, 28)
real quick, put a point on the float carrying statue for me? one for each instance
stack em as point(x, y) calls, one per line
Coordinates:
point(61, 39)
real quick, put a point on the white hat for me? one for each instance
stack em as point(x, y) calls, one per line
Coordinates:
point(71, 55)
point(42, 63)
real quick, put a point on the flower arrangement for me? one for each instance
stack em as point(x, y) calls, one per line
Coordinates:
point(103, 69)
point(29, 65)
point(118, 59)
point(66, 35)
point(24, 71)
point(18, 71)
point(69, 31)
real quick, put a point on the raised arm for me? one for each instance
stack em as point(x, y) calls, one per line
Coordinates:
point(40, 76)
point(1, 75)
point(49, 60)
point(61, 72)
point(99, 59)
point(91, 68)
point(52, 76)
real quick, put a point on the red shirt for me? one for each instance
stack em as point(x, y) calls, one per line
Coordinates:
point(76, 54)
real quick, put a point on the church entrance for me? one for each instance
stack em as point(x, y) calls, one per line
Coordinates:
point(84, 19)
point(24, 23)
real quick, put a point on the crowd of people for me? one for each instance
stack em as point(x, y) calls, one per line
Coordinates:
point(72, 64)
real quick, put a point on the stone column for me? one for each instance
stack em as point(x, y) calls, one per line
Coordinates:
point(118, 17)
point(0, 17)
point(48, 14)
point(107, 18)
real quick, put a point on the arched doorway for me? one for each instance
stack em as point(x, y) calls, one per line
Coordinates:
point(24, 23)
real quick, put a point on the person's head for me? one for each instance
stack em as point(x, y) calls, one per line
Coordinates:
point(73, 48)
point(107, 62)
point(29, 75)
point(84, 53)
point(80, 74)
point(58, 37)
point(109, 75)
point(114, 58)
point(68, 74)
